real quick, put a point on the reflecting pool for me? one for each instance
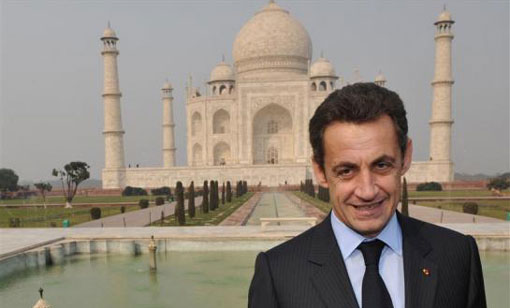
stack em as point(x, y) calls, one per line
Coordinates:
point(184, 279)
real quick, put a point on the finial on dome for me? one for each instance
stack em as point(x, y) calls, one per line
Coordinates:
point(271, 1)
point(444, 6)
point(109, 26)
point(322, 53)
point(223, 58)
point(41, 292)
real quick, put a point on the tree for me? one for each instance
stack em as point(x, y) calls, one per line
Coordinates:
point(161, 191)
point(43, 187)
point(223, 194)
point(405, 199)
point(229, 192)
point(179, 195)
point(501, 182)
point(8, 181)
point(211, 196)
point(191, 200)
point(71, 176)
point(205, 199)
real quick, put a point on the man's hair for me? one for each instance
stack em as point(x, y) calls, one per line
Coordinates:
point(357, 103)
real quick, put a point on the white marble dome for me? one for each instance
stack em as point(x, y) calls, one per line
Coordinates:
point(380, 77)
point(108, 32)
point(167, 86)
point(444, 16)
point(221, 72)
point(272, 39)
point(322, 67)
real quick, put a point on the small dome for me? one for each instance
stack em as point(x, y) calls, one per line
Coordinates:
point(322, 68)
point(167, 86)
point(41, 303)
point(380, 77)
point(445, 16)
point(272, 39)
point(222, 72)
point(108, 32)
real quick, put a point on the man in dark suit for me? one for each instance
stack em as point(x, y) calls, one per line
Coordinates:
point(365, 254)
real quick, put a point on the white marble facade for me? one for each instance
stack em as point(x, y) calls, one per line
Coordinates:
point(251, 123)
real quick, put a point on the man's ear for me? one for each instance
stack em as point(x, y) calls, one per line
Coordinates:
point(408, 157)
point(320, 174)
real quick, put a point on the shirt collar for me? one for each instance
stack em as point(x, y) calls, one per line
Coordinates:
point(348, 240)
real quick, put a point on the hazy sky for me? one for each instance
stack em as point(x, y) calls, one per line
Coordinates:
point(51, 110)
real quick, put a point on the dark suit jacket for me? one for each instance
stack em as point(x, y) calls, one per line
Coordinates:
point(308, 270)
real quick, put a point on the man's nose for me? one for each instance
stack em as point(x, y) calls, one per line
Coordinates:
point(366, 188)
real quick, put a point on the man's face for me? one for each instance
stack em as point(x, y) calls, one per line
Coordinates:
point(362, 168)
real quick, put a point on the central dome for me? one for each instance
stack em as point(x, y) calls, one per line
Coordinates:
point(272, 41)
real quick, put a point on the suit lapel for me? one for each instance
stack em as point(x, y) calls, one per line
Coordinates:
point(420, 273)
point(330, 277)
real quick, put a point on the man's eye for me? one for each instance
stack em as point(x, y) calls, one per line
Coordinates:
point(383, 165)
point(344, 172)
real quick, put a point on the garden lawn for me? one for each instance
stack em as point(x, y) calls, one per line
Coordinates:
point(490, 208)
point(453, 193)
point(212, 218)
point(78, 199)
point(39, 217)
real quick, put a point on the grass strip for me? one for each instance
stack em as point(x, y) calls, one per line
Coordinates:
point(39, 217)
point(212, 218)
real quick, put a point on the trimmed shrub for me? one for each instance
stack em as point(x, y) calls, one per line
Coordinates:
point(238, 189)
point(429, 186)
point(143, 203)
point(205, 198)
point(309, 188)
point(470, 208)
point(229, 192)
point(122, 209)
point(212, 196)
point(95, 213)
point(159, 201)
point(134, 191)
point(191, 200)
point(223, 193)
point(323, 194)
point(405, 199)
point(162, 191)
point(499, 183)
point(179, 195)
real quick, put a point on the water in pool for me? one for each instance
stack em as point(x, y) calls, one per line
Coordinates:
point(184, 279)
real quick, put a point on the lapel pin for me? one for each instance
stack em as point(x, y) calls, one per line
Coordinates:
point(425, 271)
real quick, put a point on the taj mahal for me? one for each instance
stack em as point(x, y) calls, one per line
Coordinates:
point(252, 121)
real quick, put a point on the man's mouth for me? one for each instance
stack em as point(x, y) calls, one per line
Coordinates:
point(368, 206)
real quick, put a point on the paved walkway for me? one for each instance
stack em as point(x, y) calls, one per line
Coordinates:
point(139, 218)
point(275, 205)
point(241, 215)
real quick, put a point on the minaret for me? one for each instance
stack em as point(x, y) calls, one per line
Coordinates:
point(168, 126)
point(380, 80)
point(113, 131)
point(441, 120)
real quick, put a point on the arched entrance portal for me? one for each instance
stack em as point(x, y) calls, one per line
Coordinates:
point(273, 141)
point(221, 154)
